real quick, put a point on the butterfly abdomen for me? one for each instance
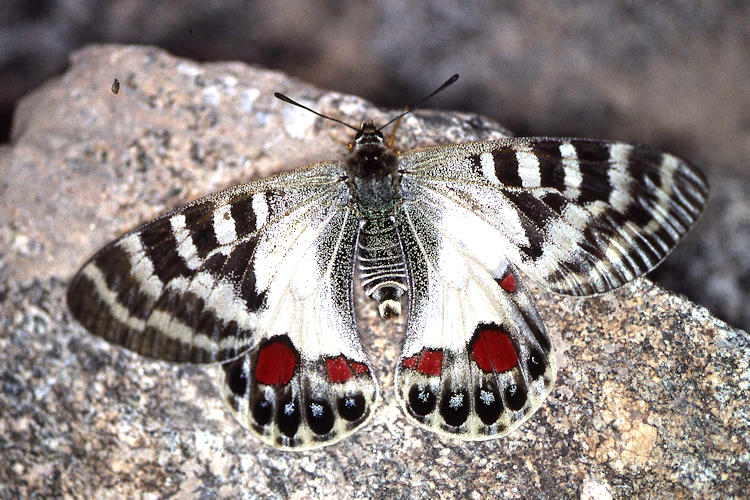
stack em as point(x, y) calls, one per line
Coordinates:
point(381, 264)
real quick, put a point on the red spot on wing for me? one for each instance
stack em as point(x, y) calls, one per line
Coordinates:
point(276, 362)
point(341, 369)
point(338, 369)
point(508, 283)
point(427, 362)
point(492, 350)
point(411, 361)
point(431, 362)
point(360, 368)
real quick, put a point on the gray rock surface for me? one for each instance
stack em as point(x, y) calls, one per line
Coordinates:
point(652, 391)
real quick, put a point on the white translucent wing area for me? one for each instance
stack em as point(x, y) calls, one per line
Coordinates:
point(476, 360)
point(579, 216)
point(308, 382)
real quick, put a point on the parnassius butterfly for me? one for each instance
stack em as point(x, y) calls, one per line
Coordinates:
point(259, 277)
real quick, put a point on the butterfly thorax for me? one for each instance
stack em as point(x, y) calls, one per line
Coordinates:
point(372, 173)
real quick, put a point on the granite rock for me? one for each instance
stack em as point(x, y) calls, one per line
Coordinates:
point(652, 391)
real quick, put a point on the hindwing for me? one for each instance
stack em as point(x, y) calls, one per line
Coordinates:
point(477, 360)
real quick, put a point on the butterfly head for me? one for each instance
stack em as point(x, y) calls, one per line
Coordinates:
point(368, 134)
point(371, 165)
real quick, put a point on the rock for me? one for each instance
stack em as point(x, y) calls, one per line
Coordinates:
point(652, 391)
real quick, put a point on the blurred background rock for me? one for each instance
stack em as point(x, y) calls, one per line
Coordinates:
point(672, 74)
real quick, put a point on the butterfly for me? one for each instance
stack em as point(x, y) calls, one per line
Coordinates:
point(259, 278)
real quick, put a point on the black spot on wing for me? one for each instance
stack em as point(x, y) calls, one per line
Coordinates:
point(515, 395)
point(160, 246)
point(488, 403)
point(319, 416)
point(352, 407)
point(422, 400)
point(288, 415)
point(262, 411)
point(536, 364)
point(244, 216)
point(551, 168)
point(454, 407)
point(593, 161)
point(506, 167)
point(236, 376)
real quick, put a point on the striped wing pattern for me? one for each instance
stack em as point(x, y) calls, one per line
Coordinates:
point(578, 216)
point(258, 278)
point(250, 277)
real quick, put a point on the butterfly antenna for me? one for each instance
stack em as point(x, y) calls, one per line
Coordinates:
point(450, 81)
point(279, 95)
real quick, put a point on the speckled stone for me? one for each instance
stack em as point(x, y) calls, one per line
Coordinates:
point(652, 392)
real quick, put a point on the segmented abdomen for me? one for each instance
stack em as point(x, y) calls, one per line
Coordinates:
point(381, 263)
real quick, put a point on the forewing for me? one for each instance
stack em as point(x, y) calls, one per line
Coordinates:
point(476, 360)
point(258, 276)
point(580, 216)
point(184, 286)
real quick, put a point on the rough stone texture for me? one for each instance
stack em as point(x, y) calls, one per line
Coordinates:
point(652, 392)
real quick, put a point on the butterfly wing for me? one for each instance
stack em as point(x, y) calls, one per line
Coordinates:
point(579, 216)
point(476, 361)
point(257, 277)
